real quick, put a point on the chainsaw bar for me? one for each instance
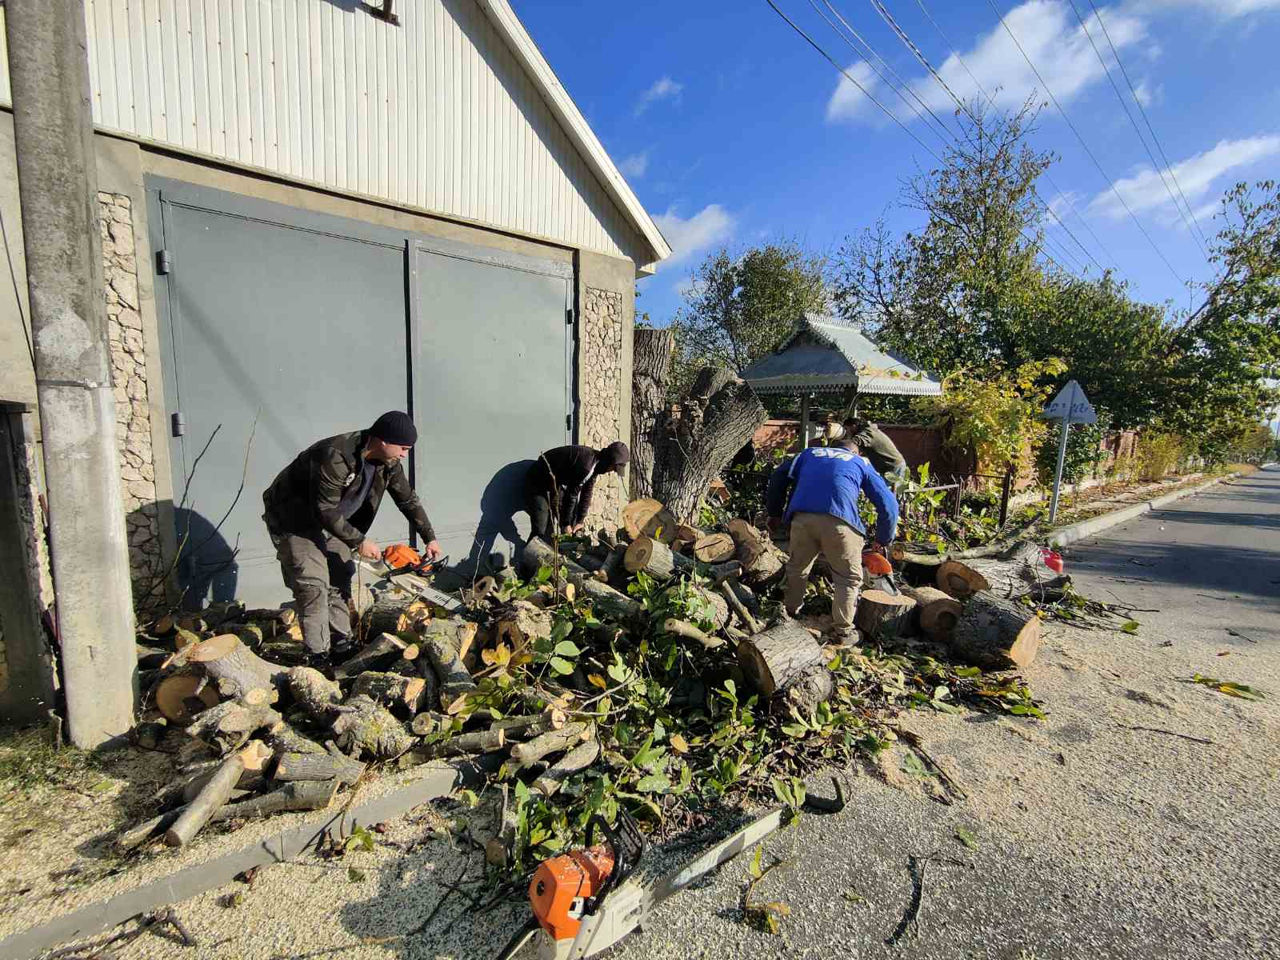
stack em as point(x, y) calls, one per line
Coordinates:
point(414, 584)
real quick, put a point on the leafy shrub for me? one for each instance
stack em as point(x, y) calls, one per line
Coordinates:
point(1084, 452)
point(1158, 454)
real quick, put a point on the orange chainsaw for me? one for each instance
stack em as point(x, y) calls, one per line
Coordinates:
point(401, 560)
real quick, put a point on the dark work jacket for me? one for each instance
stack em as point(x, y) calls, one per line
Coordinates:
point(305, 498)
point(875, 445)
point(575, 469)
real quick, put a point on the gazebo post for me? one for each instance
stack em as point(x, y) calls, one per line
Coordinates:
point(804, 422)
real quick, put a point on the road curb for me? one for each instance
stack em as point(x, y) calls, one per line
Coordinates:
point(433, 780)
point(1087, 528)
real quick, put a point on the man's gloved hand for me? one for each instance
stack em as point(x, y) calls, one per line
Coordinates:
point(433, 550)
point(369, 550)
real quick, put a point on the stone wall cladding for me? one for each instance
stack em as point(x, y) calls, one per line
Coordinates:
point(129, 376)
point(600, 356)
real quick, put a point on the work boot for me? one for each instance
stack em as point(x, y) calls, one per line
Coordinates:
point(844, 637)
point(342, 648)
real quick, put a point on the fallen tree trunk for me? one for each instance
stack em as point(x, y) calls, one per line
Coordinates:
point(777, 657)
point(607, 601)
point(883, 614)
point(292, 797)
point(762, 562)
point(214, 795)
point(717, 416)
point(369, 730)
point(575, 761)
point(651, 353)
point(995, 633)
point(1011, 576)
point(383, 649)
point(234, 667)
point(936, 612)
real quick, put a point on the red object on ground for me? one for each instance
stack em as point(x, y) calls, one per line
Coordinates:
point(1052, 560)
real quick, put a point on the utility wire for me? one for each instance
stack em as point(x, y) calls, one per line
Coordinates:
point(1083, 142)
point(17, 296)
point(1136, 129)
point(892, 116)
point(1142, 110)
point(902, 35)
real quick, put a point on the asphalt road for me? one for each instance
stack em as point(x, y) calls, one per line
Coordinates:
point(1141, 819)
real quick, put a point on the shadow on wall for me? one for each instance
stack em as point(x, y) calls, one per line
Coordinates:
point(207, 569)
point(502, 499)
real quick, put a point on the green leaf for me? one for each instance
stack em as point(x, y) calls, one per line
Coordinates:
point(355, 874)
point(754, 868)
point(966, 837)
point(567, 648)
point(966, 672)
point(561, 630)
point(913, 765)
point(1130, 626)
point(561, 666)
point(853, 896)
point(468, 797)
point(654, 783)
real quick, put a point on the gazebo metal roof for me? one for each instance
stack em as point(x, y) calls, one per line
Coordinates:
point(825, 357)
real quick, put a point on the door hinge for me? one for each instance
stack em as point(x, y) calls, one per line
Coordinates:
point(164, 262)
point(568, 316)
point(177, 424)
point(568, 422)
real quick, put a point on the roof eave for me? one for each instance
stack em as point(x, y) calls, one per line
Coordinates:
point(575, 124)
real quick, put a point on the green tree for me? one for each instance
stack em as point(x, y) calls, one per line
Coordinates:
point(741, 307)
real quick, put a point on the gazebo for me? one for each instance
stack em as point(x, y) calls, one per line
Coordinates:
point(826, 357)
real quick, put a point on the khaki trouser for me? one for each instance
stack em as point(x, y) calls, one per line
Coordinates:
point(821, 533)
point(319, 572)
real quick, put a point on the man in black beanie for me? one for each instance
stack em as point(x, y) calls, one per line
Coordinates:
point(318, 510)
point(558, 488)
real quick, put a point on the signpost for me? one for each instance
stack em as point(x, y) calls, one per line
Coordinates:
point(1070, 406)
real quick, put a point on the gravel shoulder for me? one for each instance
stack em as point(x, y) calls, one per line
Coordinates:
point(1093, 838)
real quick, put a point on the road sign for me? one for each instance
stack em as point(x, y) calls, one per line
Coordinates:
point(1071, 404)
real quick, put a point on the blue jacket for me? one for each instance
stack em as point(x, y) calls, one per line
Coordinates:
point(830, 480)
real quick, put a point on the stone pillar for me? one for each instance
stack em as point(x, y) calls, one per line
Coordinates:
point(601, 332)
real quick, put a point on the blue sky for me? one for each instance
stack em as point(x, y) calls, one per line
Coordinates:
point(732, 130)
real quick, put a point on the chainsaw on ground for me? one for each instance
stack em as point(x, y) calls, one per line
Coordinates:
point(404, 566)
point(587, 900)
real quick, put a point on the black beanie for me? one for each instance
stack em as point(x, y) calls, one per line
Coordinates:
point(617, 453)
point(395, 427)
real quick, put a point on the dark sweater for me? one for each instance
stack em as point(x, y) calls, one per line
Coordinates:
point(566, 476)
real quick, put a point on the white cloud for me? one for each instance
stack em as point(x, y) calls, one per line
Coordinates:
point(1227, 9)
point(1145, 95)
point(847, 101)
point(634, 165)
point(1196, 176)
point(1061, 206)
point(710, 225)
point(664, 88)
point(1052, 38)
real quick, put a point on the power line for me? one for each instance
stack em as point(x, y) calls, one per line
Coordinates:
point(1142, 110)
point(1136, 129)
point(965, 108)
point(831, 60)
point(1083, 143)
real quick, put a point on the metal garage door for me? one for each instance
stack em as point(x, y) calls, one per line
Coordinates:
point(492, 385)
point(284, 329)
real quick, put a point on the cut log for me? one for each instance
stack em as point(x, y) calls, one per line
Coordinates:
point(525, 728)
point(306, 795)
point(881, 614)
point(281, 615)
point(995, 633)
point(314, 692)
point(811, 688)
point(150, 658)
point(521, 622)
point(575, 761)
point(497, 852)
point(392, 690)
point(229, 725)
point(441, 640)
point(466, 744)
point(180, 697)
point(762, 562)
point(710, 604)
point(429, 722)
point(214, 795)
point(715, 548)
point(1013, 574)
point(129, 840)
point(328, 765)
point(649, 518)
point(381, 650)
point(777, 657)
point(395, 614)
point(369, 730)
point(611, 564)
point(607, 601)
point(283, 739)
point(936, 612)
point(220, 612)
point(650, 370)
point(553, 741)
point(682, 628)
point(235, 667)
point(688, 533)
point(655, 558)
point(184, 638)
point(737, 606)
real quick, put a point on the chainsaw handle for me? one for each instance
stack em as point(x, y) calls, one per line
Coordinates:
point(627, 845)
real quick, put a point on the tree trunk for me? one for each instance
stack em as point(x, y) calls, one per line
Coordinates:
point(650, 370)
point(318, 766)
point(937, 612)
point(213, 796)
point(883, 614)
point(235, 667)
point(553, 741)
point(575, 761)
point(762, 562)
point(718, 416)
point(369, 730)
point(649, 518)
point(392, 690)
point(305, 795)
point(777, 657)
point(442, 644)
point(180, 696)
point(715, 548)
point(996, 634)
point(395, 614)
point(607, 601)
point(1010, 576)
point(228, 725)
point(383, 649)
